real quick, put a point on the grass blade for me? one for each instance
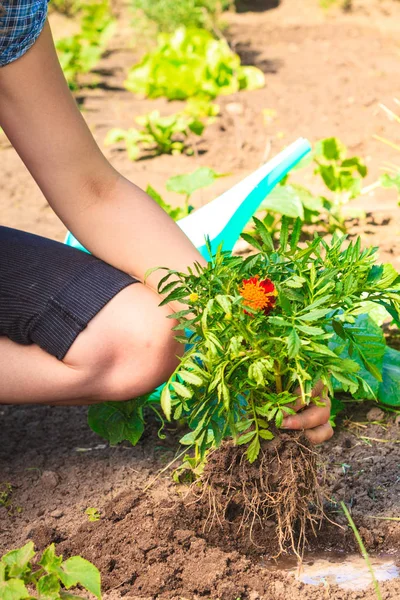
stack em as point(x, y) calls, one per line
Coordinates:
point(363, 550)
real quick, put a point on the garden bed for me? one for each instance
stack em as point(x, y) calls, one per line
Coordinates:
point(151, 544)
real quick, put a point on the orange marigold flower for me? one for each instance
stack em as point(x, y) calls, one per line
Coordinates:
point(258, 295)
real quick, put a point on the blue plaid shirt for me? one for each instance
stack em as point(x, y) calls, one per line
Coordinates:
point(20, 26)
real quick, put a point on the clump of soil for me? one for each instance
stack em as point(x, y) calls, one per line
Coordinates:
point(280, 490)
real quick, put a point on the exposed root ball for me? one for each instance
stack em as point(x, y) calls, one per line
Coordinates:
point(280, 491)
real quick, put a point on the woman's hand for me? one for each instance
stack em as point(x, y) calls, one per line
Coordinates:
point(314, 420)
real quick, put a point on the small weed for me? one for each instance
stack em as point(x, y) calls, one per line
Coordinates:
point(6, 492)
point(157, 135)
point(93, 514)
point(345, 5)
point(186, 185)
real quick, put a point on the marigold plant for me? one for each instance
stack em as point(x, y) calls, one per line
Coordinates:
point(261, 332)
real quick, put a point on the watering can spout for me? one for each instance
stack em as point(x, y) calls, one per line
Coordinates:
point(222, 220)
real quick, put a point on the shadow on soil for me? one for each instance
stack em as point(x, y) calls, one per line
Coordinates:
point(255, 5)
point(249, 56)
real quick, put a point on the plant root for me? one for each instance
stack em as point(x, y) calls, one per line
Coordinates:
point(280, 489)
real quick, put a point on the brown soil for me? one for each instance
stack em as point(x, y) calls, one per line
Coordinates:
point(154, 543)
point(326, 74)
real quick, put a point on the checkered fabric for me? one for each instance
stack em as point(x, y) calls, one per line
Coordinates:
point(21, 22)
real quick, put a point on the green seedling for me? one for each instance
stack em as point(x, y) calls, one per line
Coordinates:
point(187, 185)
point(342, 176)
point(79, 54)
point(6, 492)
point(6, 495)
point(168, 15)
point(157, 135)
point(191, 63)
point(93, 514)
point(50, 577)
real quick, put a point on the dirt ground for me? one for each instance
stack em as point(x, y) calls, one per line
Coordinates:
point(326, 75)
point(150, 543)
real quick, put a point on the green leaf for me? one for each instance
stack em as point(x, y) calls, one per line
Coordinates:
point(296, 234)
point(224, 395)
point(190, 378)
point(245, 438)
point(224, 302)
point(387, 181)
point(13, 589)
point(389, 389)
point(79, 571)
point(256, 372)
point(322, 300)
point(369, 346)
point(284, 200)
point(294, 344)
point(284, 234)
point(17, 561)
point(388, 277)
point(309, 330)
point(243, 425)
point(315, 315)
point(190, 63)
point(339, 329)
point(118, 421)
point(189, 439)
point(49, 560)
point(49, 587)
point(265, 434)
point(188, 184)
point(322, 349)
point(181, 390)
point(279, 321)
point(264, 234)
point(252, 78)
point(250, 239)
point(331, 149)
point(253, 450)
point(295, 281)
point(166, 401)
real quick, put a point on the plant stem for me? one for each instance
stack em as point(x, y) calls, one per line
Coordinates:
point(278, 378)
point(363, 550)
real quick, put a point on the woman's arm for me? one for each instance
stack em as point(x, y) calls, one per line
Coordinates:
point(110, 216)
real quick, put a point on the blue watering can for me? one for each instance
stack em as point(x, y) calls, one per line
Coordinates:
point(223, 219)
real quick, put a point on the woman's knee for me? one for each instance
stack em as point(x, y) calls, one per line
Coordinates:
point(129, 348)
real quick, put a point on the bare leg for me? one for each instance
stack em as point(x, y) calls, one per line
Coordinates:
point(126, 350)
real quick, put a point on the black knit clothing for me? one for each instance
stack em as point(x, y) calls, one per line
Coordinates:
point(49, 292)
